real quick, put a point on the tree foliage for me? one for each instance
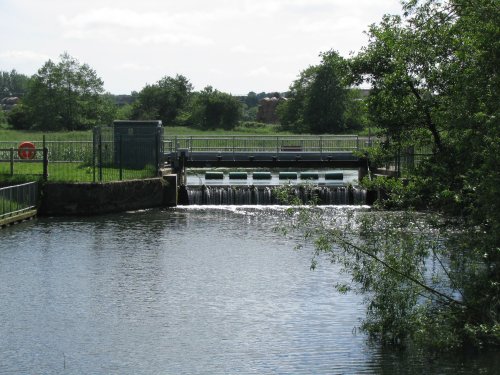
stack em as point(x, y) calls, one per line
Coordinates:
point(413, 269)
point(164, 100)
point(13, 84)
point(434, 78)
point(212, 109)
point(65, 96)
point(319, 99)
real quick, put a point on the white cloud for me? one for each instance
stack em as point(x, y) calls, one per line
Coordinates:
point(243, 49)
point(134, 67)
point(333, 25)
point(24, 55)
point(240, 46)
point(259, 72)
point(137, 28)
point(184, 39)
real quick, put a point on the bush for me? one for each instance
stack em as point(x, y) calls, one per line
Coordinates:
point(18, 117)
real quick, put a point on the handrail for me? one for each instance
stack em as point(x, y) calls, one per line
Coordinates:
point(18, 198)
point(255, 143)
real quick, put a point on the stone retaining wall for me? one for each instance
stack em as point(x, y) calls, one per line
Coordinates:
point(101, 198)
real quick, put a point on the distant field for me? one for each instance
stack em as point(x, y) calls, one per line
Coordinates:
point(251, 129)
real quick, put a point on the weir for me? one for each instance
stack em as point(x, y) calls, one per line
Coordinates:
point(268, 195)
point(260, 155)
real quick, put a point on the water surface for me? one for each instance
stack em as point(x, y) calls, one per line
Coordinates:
point(198, 290)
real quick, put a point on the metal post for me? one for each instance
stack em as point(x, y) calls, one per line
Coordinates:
point(99, 156)
point(93, 152)
point(12, 161)
point(45, 164)
point(10, 200)
point(157, 152)
point(120, 164)
point(45, 172)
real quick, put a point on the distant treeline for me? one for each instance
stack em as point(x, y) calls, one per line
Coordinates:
point(68, 95)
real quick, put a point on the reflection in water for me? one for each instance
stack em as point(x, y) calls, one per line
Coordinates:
point(190, 290)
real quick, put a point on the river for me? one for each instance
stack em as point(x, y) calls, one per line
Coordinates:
point(190, 290)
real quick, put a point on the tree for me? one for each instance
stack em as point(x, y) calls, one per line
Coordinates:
point(13, 84)
point(325, 102)
point(318, 99)
point(434, 75)
point(251, 100)
point(212, 109)
point(291, 112)
point(435, 81)
point(164, 100)
point(434, 78)
point(66, 96)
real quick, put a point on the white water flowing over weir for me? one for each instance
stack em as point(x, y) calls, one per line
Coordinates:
point(266, 195)
point(250, 190)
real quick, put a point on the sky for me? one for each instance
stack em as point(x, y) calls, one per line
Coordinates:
point(235, 46)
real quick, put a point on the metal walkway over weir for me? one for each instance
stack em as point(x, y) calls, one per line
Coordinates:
point(328, 151)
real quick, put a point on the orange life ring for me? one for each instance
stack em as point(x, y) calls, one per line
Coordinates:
point(26, 150)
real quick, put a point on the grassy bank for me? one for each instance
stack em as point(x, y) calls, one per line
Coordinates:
point(8, 134)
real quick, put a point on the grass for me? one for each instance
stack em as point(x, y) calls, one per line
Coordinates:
point(245, 128)
point(81, 172)
point(68, 172)
point(8, 134)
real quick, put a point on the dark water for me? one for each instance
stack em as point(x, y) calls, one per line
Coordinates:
point(184, 291)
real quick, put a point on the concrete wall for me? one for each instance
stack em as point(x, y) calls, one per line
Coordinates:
point(101, 198)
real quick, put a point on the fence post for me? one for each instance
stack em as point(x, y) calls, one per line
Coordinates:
point(45, 164)
point(45, 173)
point(99, 155)
point(12, 161)
point(157, 153)
point(94, 131)
point(120, 154)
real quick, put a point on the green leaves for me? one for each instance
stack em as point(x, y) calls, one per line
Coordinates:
point(320, 100)
point(164, 100)
point(66, 96)
point(411, 268)
point(212, 109)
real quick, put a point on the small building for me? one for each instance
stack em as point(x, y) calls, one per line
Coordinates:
point(138, 143)
point(267, 110)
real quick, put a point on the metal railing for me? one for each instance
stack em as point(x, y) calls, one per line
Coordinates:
point(11, 162)
point(103, 158)
point(277, 144)
point(15, 200)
